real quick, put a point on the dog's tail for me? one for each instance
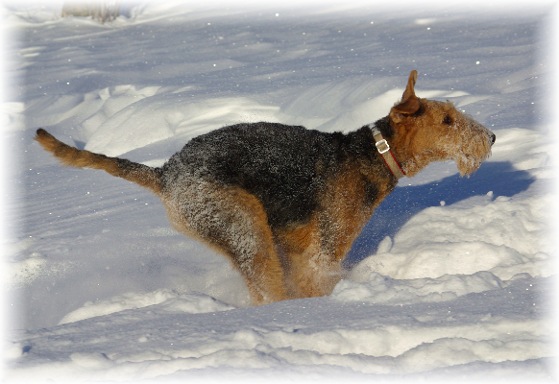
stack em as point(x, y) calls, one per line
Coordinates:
point(138, 173)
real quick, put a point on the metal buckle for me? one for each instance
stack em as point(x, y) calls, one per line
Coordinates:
point(382, 146)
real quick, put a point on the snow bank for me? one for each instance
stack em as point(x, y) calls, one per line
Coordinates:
point(173, 302)
point(471, 236)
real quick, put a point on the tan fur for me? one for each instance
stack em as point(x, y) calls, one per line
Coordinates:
point(420, 141)
point(251, 248)
point(314, 260)
point(134, 172)
point(301, 247)
point(301, 258)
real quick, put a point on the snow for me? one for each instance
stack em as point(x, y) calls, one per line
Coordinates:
point(452, 278)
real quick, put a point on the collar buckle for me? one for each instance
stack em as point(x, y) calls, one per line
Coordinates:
point(384, 150)
point(382, 146)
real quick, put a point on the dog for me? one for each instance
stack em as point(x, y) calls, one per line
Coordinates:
point(285, 203)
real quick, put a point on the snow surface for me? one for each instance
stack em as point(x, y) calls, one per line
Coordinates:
point(452, 278)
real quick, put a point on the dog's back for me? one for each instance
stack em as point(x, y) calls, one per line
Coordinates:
point(286, 167)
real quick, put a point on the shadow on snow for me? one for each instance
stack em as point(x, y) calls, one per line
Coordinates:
point(401, 205)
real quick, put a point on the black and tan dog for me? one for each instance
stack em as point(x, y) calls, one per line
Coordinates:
point(285, 203)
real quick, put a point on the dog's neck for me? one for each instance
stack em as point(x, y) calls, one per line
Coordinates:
point(385, 151)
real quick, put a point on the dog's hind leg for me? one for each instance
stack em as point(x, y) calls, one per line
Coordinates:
point(234, 222)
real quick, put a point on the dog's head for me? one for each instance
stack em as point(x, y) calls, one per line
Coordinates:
point(427, 130)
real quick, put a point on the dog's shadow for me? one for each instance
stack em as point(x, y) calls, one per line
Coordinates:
point(401, 205)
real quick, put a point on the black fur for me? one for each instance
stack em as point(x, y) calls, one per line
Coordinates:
point(385, 128)
point(286, 167)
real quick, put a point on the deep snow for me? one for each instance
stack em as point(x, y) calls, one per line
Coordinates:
point(453, 277)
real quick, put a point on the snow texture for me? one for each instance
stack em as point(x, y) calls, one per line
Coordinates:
point(453, 278)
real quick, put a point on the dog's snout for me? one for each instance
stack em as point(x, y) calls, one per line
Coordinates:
point(493, 138)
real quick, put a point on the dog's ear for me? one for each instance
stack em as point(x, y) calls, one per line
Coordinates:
point(410, 102)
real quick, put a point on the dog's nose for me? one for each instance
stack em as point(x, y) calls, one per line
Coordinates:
point(493, 138)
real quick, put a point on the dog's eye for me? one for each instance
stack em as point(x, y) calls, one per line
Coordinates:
point(447, 120)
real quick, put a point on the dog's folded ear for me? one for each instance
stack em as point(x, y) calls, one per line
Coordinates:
point(410, 102)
